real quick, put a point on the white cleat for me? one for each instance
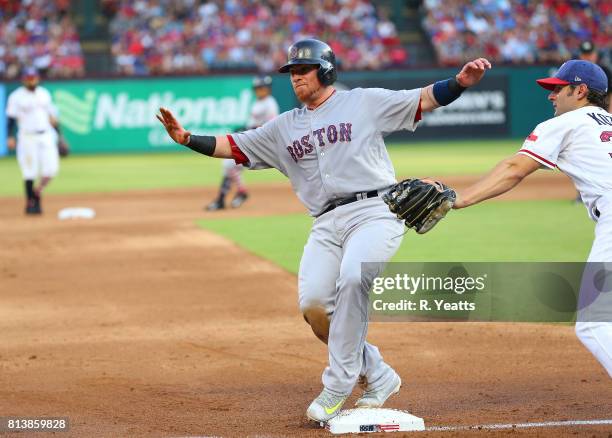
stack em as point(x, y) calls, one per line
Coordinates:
point(326, 406)
point(375, 398)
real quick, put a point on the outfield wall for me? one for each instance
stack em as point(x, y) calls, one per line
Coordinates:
point(118, 115)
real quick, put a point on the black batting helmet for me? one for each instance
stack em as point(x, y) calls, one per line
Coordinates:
point(313, 52)
point(262, 81)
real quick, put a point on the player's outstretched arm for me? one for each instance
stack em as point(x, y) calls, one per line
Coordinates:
point(218, 147)
point(446, 91)
point(507, 174)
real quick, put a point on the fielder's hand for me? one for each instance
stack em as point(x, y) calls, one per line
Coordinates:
point(10, 142)
point(174, 128)
point(472, 72)
point(459, 203)
point(63, 147)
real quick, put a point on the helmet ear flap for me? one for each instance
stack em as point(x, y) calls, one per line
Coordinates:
point(326, 73)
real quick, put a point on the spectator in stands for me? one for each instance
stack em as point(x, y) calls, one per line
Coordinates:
point(514, 31)
point(192, 36)
point(39, 33)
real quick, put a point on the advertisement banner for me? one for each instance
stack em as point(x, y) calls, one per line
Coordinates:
point(481, 112)
point(119, 115)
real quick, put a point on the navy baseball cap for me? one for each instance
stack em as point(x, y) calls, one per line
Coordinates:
point(29, 72)
point(576, 72)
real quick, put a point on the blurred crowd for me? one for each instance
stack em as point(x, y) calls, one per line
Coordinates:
point(39, 33)
point(516, 31)
point(191, 36)
point(150, 37)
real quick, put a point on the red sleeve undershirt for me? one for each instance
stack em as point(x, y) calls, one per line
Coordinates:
point(417, 116)
point(237, 154)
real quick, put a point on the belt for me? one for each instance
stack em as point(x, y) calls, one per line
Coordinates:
point(37, 132)
point(355, 197)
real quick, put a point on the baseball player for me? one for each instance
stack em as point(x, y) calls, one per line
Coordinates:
point(264, 109)
point(577, 142)
point(333, 152)
point(588, 52)
point(31, 109)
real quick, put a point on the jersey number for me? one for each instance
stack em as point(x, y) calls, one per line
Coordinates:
point(605, 136)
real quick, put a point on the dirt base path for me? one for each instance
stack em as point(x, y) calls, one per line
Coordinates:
point(138, 323)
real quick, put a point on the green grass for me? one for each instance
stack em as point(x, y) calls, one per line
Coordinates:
point(450, 158)
point(494, 231)
point(108, 173)
point(113, 173)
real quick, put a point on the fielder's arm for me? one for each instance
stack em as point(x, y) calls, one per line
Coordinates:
point(218, 147)
point(507, 174)
point(11, 127)
point(444, 92)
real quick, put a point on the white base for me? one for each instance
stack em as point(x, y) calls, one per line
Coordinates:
point(76, 213)
point(364, 420)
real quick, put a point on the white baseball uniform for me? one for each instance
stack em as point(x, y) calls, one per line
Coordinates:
point(332, 153)
point(37, 152)
point(579, 143)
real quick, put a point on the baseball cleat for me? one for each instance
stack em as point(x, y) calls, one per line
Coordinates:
point(375, 398)
point(239, 199)
point(215, 205)
point(33, 207)
point(326, 406)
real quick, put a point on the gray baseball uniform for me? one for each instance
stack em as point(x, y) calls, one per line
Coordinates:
point(331, 153)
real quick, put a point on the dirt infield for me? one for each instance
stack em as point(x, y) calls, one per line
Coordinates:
point(138, 323)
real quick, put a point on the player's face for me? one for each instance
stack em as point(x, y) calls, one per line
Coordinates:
point(305, 82)
point(592, 57)
point(564, 98)
point(262, 92)
point(30, 82)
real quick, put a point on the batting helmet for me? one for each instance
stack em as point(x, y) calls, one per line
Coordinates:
point(262, 81)
point(313, 52)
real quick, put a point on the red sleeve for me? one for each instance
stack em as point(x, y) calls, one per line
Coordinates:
point(417, 116)
point(237, 154)
point(537, 157)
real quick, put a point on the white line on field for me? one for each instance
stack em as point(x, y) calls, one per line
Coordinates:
point(521, 425)
point(500, 426)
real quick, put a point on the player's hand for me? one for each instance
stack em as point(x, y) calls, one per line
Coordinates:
point(174, 128)
point(472, 72)
point(10, 142)
point(459, 202)
point(428, 180)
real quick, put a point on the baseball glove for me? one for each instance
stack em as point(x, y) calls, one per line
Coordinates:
point(420, 204)
point(62, 147)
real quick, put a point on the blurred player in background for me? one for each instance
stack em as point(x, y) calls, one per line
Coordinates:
point(31, 110)
point(588, 52)
point(265, 108)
